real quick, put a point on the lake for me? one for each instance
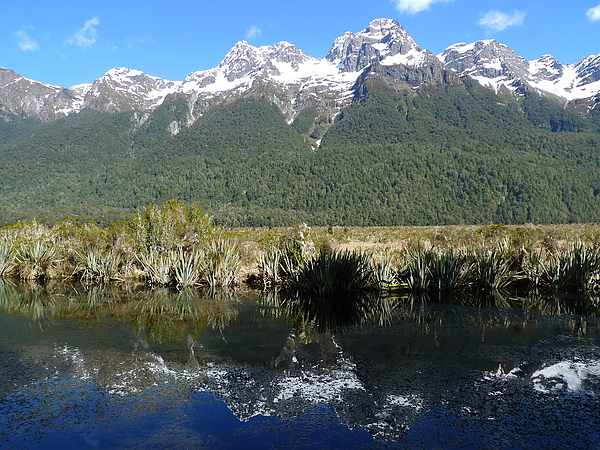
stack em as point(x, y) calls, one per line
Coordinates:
point(120, 366)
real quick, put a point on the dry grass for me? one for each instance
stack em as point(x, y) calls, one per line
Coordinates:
point(256, 241)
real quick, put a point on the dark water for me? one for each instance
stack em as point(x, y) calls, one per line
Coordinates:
point(110, 367)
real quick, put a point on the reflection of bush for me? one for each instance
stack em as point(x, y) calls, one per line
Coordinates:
point(308, 312)
point(165, 315)
point(328, 312)
point(169, 316)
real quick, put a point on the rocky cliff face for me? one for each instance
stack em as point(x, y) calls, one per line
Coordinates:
point(123, 89)
point(22, 96)
point(294, 80)
point(495, 65)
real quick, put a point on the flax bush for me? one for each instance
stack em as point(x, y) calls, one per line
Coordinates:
point(222, 264)
point(333, 272)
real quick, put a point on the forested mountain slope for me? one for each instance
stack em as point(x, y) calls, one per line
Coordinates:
point(441, 153)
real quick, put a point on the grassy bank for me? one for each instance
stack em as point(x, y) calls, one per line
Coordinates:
point(176, 245)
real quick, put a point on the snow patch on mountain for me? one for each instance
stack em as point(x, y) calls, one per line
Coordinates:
point(496, 66)
point(382, 40)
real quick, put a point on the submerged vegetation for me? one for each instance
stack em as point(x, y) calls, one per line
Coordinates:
point(175, 245)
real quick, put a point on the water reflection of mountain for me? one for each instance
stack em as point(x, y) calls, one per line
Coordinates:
point(388, 365)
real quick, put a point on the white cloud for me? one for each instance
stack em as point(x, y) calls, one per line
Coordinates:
point(86, 36)
point(133, 42)
point(25, 42)
point(415, 6)
point(253, 32)
point(594, 13)
point(498, 20)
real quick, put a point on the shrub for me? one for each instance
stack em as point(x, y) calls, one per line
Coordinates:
point(333, 272)
point(156, 266)
point(222, 264)
point(492, 270)
point(187, 267)
point(7, 256)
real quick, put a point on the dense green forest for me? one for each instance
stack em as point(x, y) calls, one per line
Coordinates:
point(451, 153)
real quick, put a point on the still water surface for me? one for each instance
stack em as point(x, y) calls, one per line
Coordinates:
point(116, 367)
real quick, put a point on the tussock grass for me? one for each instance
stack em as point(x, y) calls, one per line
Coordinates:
point(7, 258)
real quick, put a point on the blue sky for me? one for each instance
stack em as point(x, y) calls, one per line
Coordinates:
point(67, 42)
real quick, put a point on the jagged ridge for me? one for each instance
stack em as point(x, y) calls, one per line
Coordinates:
point(294, 81)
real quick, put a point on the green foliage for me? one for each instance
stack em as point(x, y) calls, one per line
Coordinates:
point(492, 270)
point(451, 269)
point(452, 153)
point(157, 266)
point(7, 255)
point(97, 264)
point(576, 269)
point(269, 264)
point(187, 267)
point(173, 225)
point(34, 258)
point(548, 114)
point(384, 269)
point(416, 269)
point(304, 122)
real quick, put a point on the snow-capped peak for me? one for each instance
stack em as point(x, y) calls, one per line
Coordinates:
point(243, 59)
point(127, 89)
point(382, 39)
point(497, 66)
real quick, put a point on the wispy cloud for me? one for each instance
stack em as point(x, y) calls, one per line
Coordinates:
point(133, 42)
point(415, 6)
point(86, 36)
point(594, 14)
point(25, 41)
point(498, 20)
point(253, 32)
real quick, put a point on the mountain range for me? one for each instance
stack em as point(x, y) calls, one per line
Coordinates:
point(302, 80)
point(300, 127)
